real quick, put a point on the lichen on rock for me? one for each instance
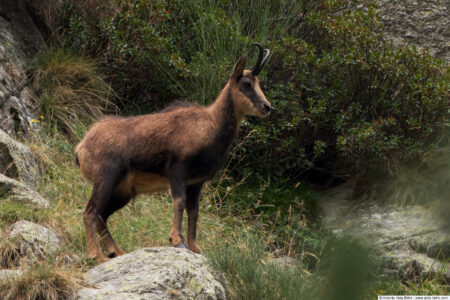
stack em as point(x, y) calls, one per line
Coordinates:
point(421, 23)
point(34, 241)
point(13, 190)
point(17, 161)
point(155, 273)
point(10, 274)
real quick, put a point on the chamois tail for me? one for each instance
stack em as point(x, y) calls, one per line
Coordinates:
point(77, 161)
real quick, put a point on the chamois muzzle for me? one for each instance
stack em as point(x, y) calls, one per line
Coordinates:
point(262, 59)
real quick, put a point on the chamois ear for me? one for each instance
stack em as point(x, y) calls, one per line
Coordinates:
point(239, 67)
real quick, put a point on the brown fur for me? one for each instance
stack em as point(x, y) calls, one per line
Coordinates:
point(179, 148)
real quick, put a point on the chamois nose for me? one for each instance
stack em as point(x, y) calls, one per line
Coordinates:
point(267, 107)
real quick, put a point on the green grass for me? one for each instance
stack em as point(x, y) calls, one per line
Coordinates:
point(251, 274)
point(11, 212)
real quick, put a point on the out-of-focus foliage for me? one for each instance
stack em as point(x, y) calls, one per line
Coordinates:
point(346, 100)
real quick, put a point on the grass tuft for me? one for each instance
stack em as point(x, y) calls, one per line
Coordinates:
point(72, 91)
point(39, 282)
point(9, 253)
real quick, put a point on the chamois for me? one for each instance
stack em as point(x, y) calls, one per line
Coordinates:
point(179, 148)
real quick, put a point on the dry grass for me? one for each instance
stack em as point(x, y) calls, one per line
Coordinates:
point(71, 90)
point(48, 10)
point(421, 184)
point(9, 253)
point(39, 282)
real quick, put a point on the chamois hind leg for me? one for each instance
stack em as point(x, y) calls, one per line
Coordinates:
point(192, 195)
point(101, 194)
point(116, 202)
point(178, 192)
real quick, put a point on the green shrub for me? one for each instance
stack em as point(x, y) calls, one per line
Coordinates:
point(347, 100)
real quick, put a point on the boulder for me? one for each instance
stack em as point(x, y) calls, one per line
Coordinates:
point(34, 241)
point(17, 161)
point(411, 241)
point(13, 190)
point(154, 273)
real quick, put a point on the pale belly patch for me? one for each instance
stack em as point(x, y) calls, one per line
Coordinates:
point(136, 182)
point(140, 183)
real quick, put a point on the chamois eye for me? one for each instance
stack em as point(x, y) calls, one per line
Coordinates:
point(247, 84)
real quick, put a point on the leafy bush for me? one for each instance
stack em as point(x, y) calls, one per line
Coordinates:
point(347, 100)
point(162, 50)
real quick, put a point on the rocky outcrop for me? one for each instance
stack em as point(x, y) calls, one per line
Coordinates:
point(34, 241)
point(422, 23)
point(13, 190)
point(411, 241)
point(18, 172)
point(154, 273)
point(17, 161)
point(19, 40)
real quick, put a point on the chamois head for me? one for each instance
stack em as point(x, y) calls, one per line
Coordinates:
point(247, 94)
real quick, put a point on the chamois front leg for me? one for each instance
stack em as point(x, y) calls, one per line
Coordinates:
point(192, 193)
point(178, 192)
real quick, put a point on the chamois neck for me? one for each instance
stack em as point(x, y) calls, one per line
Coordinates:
point(224, 105)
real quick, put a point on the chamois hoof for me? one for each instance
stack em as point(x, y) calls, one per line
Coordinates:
point(112, 255)
point(116, 253)
point(100, 259)
point(181, 245)
point(193, 247)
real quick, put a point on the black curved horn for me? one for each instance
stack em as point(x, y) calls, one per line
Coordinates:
point(265, 59)
point(261, 60)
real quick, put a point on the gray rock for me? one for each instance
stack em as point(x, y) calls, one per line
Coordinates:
point(6, 275)
point(19, 41)
point(13, 190)
point(34, 241)
point(17, 161)
point(422, 23)
point(408, 239)
point(154, 273)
